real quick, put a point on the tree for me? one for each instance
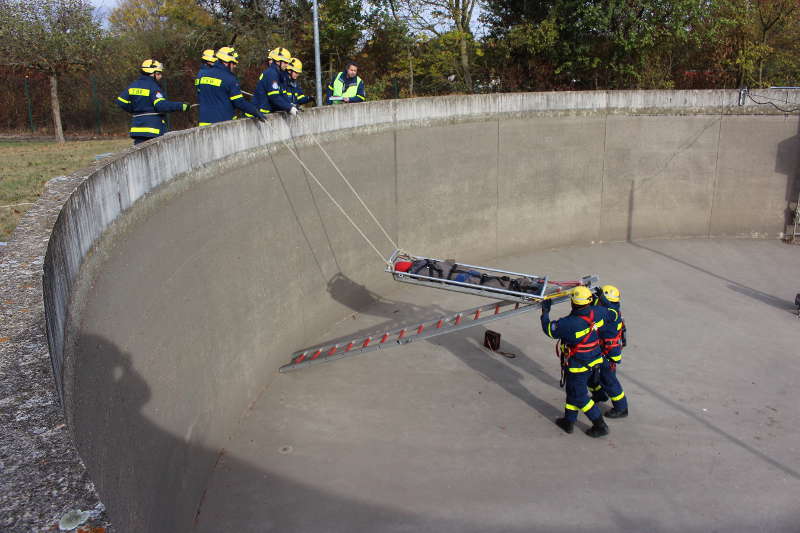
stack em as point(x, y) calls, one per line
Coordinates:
point(50, 36)
point(447, 20)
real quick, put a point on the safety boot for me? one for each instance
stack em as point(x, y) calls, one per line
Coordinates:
point(598, 429)
point(565, 424)
point(616, 413)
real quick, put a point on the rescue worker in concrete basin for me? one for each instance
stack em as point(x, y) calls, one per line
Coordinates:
point(218, 91)
point(147, 101)
point(579, 345)
point(346, 87)
point(296, 93)
point(604, 383)
point(271, 91)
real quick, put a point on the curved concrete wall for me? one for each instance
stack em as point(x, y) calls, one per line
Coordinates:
point(181, 275)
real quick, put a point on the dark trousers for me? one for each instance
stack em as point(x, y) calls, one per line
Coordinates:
point(604, 385)
point(578, 398)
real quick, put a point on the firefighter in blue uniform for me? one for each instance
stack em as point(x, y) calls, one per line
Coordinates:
point(147, 102)
point(346, 87)
point(295, 91)
point(208, 60)
point(579, 346)
point(271, 93)
point(218, 91)
point(604, 383)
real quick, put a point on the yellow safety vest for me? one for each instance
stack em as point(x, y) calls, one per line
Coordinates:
point(338, 88)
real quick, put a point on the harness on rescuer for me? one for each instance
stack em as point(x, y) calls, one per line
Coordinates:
point(584, 345)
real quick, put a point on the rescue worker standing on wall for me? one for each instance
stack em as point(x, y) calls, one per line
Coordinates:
point(579, 347)
point(218, 91)
point(146, 100)
point(296, 94)
point(604, 383)
point(271, 90)
point(346, 87)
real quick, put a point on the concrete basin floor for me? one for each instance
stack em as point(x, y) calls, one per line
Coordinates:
point(444, 436)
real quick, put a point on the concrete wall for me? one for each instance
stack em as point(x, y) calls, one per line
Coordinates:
point(182, 274)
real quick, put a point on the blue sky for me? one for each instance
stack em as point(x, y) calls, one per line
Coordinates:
point(104, 6)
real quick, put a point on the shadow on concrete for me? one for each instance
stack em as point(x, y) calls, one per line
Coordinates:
point(722, 433)
point(778, 303)
point(787, 162)
point(183, 486)
point(171, 490)
point(466, 345)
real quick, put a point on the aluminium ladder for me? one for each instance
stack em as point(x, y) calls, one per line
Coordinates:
point(431, 328)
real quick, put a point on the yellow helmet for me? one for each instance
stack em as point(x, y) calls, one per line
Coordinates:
point(208, 55)
point(295, 65)
point(150, 66)
point(611, 293)
point(581, 295)
point(228, 54)
point(280, 54)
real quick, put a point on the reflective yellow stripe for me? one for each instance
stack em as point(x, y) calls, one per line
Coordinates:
point(618, 398)
point(549, 331)
point(157, 100)
point(272, 92)
point(261, 77)
point(584, 332)
point(588, 406)
point(586, 368)
point(197, 82)
point(615, 312)
point(236, 97)
point(146, 130)
point(204, 124)
point(207, 80)
point(593, 389)
point(616, 358)
point(265, 111)
point(570, 407)
point(139, 92)
point(122, 100)
point(619, 326)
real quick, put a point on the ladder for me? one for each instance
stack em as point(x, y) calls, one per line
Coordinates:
point(416, 331)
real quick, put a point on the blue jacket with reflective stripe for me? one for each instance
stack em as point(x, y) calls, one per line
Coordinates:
point(260, 99)
point(273, 87)
point(296, 93)
point(219, 95)
point(143, 96)
point(571, 329)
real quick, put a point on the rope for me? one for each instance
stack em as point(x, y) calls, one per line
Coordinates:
point(364, 205)
point(781, 109)
point(321, 186)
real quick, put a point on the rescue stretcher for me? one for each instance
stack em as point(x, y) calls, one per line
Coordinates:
point(472, 279)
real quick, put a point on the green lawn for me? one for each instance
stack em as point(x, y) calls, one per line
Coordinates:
point(27, 165)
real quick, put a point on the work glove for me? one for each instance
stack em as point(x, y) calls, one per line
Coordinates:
point(293, 111)
point(546, 306)
point(185, 106)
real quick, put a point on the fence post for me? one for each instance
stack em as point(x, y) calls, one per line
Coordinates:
point(97, 119)
point(30, 105)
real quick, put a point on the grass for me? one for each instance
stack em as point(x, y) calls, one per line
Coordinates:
point(27, 165)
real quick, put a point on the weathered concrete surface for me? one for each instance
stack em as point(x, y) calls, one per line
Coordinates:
point(445, 436)
point(177, 285)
